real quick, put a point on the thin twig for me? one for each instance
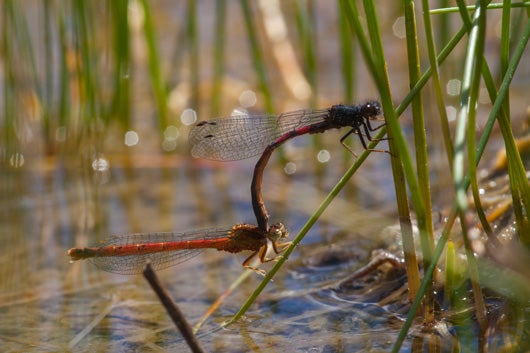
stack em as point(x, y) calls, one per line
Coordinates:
point(172, 309)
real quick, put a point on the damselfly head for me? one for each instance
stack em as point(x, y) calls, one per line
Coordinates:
point(277, 231)
point(371, 109)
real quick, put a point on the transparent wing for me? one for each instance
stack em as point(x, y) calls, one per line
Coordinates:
point(244, 136)
point(133, 264)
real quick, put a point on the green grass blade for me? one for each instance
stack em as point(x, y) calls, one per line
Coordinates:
point(305, 21)
point(219, 56)
point(420, 142)
point(8, 132)
point(121, 102)
point(436, 80)
point(257, 56)
point(86, 67)
point(47, 86)
point(159, 87)
point(477, 38)
point(193, 37)
point(471, 135)
point(348, 57)
point(65, 104)
point(462, 119)
point(497, 5)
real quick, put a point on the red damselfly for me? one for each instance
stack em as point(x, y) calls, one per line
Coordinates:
point(128, 254)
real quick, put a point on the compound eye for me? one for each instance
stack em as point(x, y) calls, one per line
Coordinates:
point(278, 230)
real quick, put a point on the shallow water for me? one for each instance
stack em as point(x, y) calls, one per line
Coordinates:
point(88, 190)
point(51, 205)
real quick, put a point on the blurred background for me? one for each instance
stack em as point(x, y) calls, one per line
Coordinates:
point(96, 103)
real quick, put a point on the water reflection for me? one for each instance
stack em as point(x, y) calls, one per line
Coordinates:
point(51, 205)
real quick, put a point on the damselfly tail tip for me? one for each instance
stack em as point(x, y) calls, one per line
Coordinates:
point(76, 254)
